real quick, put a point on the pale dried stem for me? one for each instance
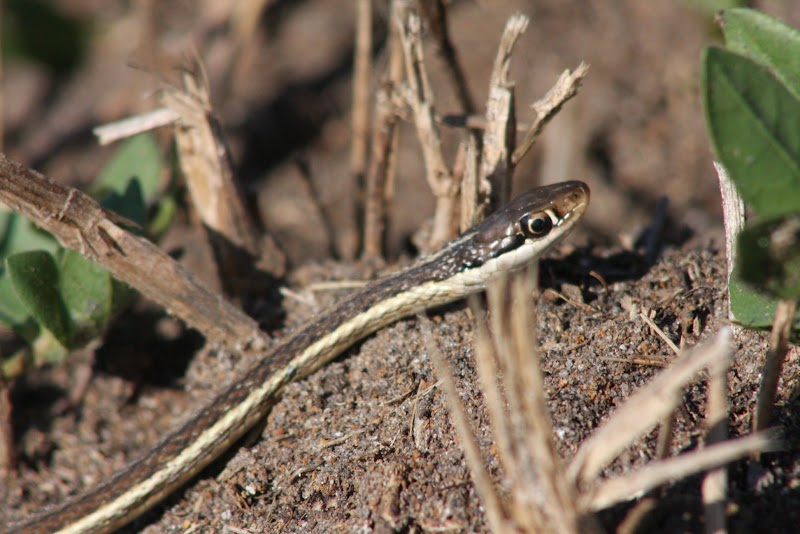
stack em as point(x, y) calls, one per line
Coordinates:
point(545, 109)
point(419, 97)
point(469, 445)
point(435, 12)
point(495, 404)
point(470, 184)
point(616, 490)
point(535, 431)
point(664, 441)
point(361, 90)
point(206, 164)
point(733, 218)
point(136, 124)
point(715, 483)
point(207, 168)
point(660, 333)
point(645, 408)
point(778, 347)
point(380, 174)
point(499, 136)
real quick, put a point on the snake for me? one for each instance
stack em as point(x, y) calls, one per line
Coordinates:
point(509, 239)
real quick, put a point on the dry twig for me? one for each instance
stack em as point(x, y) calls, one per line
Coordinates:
point(435, 12)
point(645, 408)
point(499, 137)
point(380, 174)
point(81, 224)
point(361, 76)
point(545, 108)
point(616, 490)
point(480, 476)
point(715, 483)
point(419, 96)
point(778, 348)
point(207, 168)
point(130, 126)
point(733, 217)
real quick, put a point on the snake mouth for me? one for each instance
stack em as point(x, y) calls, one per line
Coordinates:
point(569, 201)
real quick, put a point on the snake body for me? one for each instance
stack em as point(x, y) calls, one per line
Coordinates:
point(507, 240)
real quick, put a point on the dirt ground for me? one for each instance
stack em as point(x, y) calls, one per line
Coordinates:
point(365, 444)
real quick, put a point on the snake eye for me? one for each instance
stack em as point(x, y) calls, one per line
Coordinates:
point(536, 224)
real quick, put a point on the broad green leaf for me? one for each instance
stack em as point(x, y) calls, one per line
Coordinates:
point(767, 41)
point(138, 157)
point(129, 203)
point(754, 124)
point(18, 234)
point(163, 217)
point(768, 256)
point(87, 292)
point(752, 309)
point(35, 278)
point(13, 312)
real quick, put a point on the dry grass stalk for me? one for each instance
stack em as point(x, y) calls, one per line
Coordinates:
point(361, 86)
point(565, 88)
point(616, 490)
point(538, 473)
point(544, 496)
point(645, 408)
point(715, 483)
point(130, 126)
point(207, 168)
point(470, 183)
point(778, 348)
point(380, 173)
point(495, 511)
point(384, 142)
point(435, 12)
point(499, 137)
point(206, 165)
point(419, 96)
point(539, 498)
point(733, 218)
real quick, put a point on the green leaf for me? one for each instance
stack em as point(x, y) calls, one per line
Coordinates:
point(755, 310)
point(768, 256)
point(750, 308)
point(12, 311)
point(35, 278)
point(767, 41)
point(754, 124)
point(18, 234)
point(137, 158)
point(162, 218)
point(87, 292)
point(130, 203)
